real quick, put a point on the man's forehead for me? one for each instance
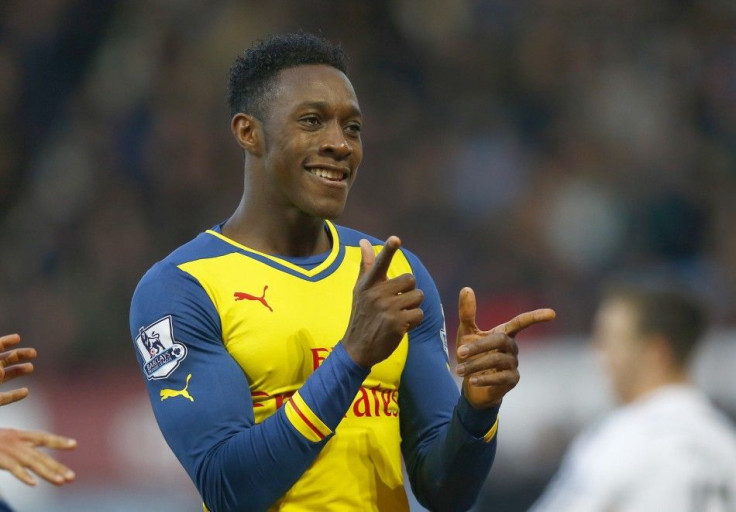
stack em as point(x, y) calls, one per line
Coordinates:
point(303, 71)
point(313, 83)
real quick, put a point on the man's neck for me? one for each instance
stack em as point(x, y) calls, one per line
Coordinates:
point(294, 234)
point(657, 382)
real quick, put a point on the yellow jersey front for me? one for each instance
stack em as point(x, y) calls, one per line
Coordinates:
point(262, 405)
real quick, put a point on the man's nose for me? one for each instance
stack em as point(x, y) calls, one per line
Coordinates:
point(335, 142)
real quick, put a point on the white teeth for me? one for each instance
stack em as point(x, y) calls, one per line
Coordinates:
point(327, 173)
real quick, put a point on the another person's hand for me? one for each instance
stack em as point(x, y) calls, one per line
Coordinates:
point(19, 451)
point(488, 360)
point(14, 363)
point(383, 309)
point(19, 454)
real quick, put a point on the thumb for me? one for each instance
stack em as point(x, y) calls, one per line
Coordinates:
point(368, 257)
point(466, 311)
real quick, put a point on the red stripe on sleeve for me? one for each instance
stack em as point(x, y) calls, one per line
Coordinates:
point(304, 418)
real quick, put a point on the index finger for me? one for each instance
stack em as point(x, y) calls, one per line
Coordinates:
point(380, 266)
point(524, 320)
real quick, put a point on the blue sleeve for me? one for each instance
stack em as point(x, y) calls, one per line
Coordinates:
point(234, 463)
point(446, 456)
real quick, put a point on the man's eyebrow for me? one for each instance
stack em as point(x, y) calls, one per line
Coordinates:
point(323, 105)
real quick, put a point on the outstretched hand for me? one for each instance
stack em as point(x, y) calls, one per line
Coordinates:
point(488, 360)
point(14, 363)
point(383, 309)
point(19, 451)
point(19, 454)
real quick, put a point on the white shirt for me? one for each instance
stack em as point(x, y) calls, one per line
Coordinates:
point(669, 451)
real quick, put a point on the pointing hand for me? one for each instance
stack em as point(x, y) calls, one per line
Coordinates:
point(488, 360)
point(384, 310)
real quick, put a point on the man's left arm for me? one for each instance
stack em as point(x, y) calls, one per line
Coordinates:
point(449, 438)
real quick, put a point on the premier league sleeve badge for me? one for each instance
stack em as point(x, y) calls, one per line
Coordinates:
point(161, 353)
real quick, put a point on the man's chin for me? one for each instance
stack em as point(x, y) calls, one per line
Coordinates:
point(332, 215)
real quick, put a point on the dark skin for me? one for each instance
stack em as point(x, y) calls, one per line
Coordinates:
point(488, 360)
point(313, 121)
point(301, 160)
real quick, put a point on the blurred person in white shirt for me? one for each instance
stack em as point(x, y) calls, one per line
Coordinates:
point(666, 448)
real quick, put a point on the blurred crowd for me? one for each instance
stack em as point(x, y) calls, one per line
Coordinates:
point(530, 148)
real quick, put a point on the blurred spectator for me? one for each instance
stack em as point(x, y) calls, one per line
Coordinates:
point(666, 447)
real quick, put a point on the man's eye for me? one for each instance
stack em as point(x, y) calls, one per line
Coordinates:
point(353, 128)
point(310, 120)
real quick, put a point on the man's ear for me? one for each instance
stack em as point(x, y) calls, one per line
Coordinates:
point(248, 132)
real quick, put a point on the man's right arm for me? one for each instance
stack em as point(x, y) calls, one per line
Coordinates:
point(235, 463)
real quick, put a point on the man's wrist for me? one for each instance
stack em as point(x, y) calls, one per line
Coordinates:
point(346, 359)
point(476, 421)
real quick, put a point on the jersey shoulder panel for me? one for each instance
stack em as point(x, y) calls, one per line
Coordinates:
point(166, 290)
point(203, 246)
point(351, 237)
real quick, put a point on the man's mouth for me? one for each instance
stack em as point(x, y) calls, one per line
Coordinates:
point(328, 174)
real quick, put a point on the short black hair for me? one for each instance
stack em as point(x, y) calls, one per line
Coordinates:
point(252, 74)
point(666, 308)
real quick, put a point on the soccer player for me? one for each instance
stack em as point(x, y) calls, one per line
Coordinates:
point(666, 447)
point(19, 451)
point(290, 361)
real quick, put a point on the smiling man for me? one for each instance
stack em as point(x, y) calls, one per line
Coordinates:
point(313, 356)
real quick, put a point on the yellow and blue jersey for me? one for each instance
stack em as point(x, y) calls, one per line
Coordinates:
point(263, 407)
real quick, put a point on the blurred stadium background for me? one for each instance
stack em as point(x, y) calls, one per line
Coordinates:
point(529, 148)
